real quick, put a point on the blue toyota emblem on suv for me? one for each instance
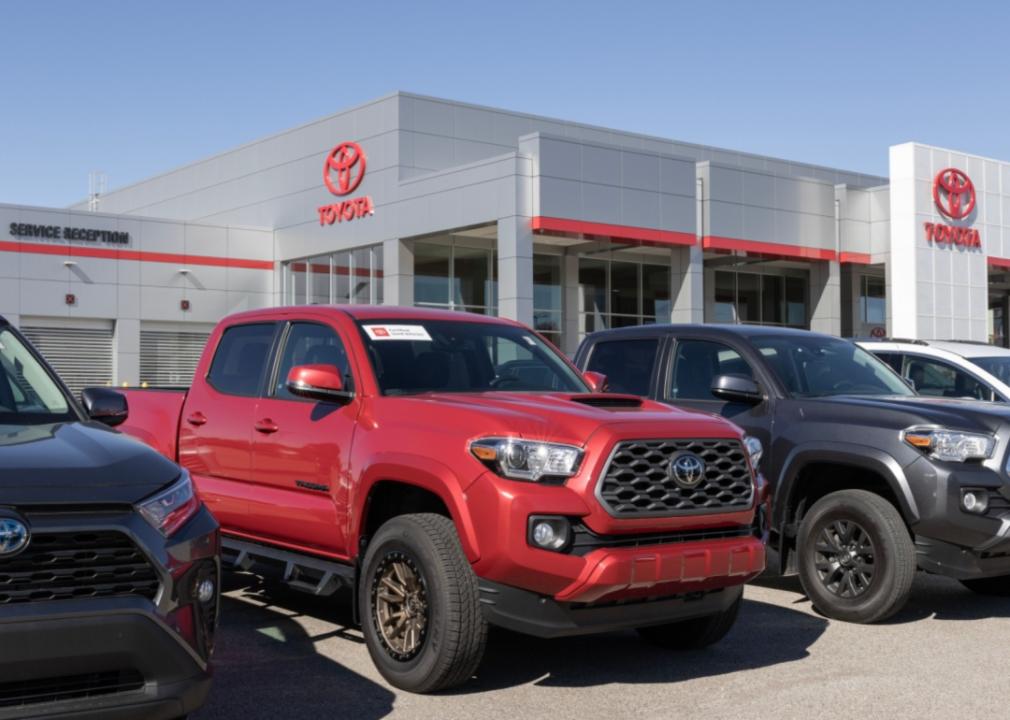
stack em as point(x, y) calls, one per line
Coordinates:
point(14, 536)
point(687, 470)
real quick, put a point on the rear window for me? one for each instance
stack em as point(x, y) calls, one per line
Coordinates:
point(628, 364)
point(241, 359)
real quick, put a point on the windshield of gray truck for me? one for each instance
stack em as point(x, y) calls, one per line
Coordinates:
point(28, 395)
point(815, 366)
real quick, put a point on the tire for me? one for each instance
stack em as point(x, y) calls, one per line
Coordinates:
point(446, 634)
point(693, 634)
point(837, 538)
point(996, 586)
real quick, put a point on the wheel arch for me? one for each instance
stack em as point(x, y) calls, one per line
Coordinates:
point(397, 485)
point(839, 466)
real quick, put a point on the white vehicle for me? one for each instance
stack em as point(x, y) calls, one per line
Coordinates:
point(948, 368)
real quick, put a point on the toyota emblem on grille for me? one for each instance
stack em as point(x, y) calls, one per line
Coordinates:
point(687, 469)
point(14, 536)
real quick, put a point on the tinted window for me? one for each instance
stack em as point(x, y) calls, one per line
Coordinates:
point(411, 357)
point(28, 395)
point(311, 344)
point(816, 366)
point(627, 364)
point(241, 359)
point(892, 359)
point(998, 366)
point(697, 362)
point(940, 379)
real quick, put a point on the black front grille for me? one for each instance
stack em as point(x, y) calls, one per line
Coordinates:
point(68, 687)
point(638, 481)
point(62, 566)
point(584, 540)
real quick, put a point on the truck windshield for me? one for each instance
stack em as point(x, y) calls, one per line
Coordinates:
point(419, 356)
point(28, 394)
point(820, 367)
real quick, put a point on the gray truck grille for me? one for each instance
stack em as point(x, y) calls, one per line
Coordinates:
point(61, 566)
point(638, 481)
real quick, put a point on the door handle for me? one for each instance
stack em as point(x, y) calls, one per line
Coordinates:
point(197, 418)
point(266, 426)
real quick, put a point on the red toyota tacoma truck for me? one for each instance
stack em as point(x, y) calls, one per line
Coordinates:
point(455, 470)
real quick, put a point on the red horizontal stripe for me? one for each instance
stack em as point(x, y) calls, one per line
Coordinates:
point(999, 262)
point(142, 256)
point(713, 242)
point(622, 232)
point(855, 258)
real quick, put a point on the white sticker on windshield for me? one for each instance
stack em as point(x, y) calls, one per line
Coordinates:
point(530, 341)
point(398, 332)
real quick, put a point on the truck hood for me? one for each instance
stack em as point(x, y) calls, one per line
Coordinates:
point(77, 463)
point(559, 417)
point(904, 411)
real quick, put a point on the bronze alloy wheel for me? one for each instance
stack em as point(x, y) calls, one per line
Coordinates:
point(400, 606)
point(844, 558)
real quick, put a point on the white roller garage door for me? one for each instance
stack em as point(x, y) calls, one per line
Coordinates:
point(168, 358)
point(82, 356)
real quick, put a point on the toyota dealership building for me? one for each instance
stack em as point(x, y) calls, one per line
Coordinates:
point(412, 200)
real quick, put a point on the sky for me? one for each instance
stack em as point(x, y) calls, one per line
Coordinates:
point(133, 88)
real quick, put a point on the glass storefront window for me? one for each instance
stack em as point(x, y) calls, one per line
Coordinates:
point(455, 276)
point(592, 295)
point(624, 288)
point(759, 298)
point(350, 277)
point(547, 308)
point(656, 304)
point(873, 300)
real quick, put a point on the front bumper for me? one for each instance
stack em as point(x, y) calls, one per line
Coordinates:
point(526, 612)
point(949, 540)
point(53, 656)
point(115, 656)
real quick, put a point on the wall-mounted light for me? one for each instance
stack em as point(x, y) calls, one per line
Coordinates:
point(69, 263)
point(184, 271)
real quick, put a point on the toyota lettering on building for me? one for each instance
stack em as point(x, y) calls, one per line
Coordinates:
point(954, 197)
point(343, 171)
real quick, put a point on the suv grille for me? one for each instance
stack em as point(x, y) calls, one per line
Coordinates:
point(638, 481)
point(60, 566)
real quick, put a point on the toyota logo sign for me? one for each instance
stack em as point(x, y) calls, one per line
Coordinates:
point(345, 164)
point(14, 536)
point(954, 193)
point(687, 470)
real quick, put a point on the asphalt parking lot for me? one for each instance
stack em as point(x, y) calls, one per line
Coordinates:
point(283, 654)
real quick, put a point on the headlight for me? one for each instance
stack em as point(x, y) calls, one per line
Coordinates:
point(754, 450)
point(527, 459)
point(950, 445)
point(169, 510)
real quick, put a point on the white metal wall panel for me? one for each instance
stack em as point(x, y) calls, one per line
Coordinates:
point(81, 356)
point(168, 357)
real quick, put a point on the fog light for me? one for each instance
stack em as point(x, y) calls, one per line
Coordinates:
point(975, 501)
point(205, 590)
point(549, 533)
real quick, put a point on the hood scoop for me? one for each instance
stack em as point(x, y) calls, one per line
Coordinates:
point(609, 401)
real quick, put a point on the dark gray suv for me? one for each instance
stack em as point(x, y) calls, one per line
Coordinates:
point(109, 562)
point(870, 480)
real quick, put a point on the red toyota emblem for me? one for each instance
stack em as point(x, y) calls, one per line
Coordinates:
point(347, 162)
point(878, 332)
point(954, 193)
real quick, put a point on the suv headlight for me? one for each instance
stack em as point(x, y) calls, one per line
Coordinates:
point(527, 459)
point(754, 450)
point(170, 509)
point(950, 445)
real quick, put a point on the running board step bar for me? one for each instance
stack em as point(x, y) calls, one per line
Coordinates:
point(312, 575)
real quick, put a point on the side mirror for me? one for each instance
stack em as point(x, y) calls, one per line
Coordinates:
point(737, 388)
point(597, 381)
point(105, 406)
point(318, 382)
